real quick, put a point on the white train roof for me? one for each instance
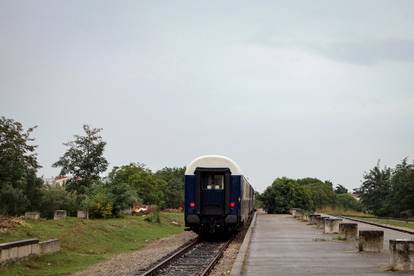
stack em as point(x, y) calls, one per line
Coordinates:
point(213, 161)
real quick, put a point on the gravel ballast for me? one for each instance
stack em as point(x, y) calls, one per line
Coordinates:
point(132, 262)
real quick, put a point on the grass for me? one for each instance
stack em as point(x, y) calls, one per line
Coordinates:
point(392, 222)
point(86, 242)
point(343, 212)
point(368, 217)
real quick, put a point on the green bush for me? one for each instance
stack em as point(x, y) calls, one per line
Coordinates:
point(57, 198)
point(154, 216)
point(99, 202)
point(347, 202)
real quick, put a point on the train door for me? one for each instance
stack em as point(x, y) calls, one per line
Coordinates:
point(213, 186)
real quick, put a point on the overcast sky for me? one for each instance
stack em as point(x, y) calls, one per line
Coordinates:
point(285, 88)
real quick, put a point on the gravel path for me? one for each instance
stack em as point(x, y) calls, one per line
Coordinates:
point(224, 266)
point(129, 263)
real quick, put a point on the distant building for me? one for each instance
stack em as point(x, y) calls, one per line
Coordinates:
point(58, 181)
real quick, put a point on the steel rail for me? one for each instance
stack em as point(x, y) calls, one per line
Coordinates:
point(165, 261)
point(213, 262)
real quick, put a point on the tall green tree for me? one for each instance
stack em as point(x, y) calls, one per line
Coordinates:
point(376, 189)
point(402, 190)
point(83, 160)
point(148, 188)
point(20, 188)
point(174, 186)
point(283, 194)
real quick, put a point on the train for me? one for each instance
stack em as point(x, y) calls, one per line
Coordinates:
point(218, 197)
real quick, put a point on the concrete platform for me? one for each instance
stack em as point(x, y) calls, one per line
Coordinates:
point(282, 245)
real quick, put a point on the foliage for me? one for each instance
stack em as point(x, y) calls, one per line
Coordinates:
point(122, 196)
point(389, 192)
point(57, 198)
point(173, 186)
point(341, 190)
point(83, 160)
point(375, 189)
point(147, 187)
point(20, 188)
point(346, 201)
point(283, 194)
point(320, 192)
point(306, 193)
point(154, 216)
point(99, 202)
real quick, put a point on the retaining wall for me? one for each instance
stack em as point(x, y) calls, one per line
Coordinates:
point(13, 251)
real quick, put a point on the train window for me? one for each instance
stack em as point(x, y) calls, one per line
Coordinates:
point(213, 182)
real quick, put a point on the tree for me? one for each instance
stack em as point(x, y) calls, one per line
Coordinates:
point(283, 194)
point(376, 189)
point(99, 202)
point(402, 189)
point(347, 201)
point(321, 193)
point(174, 186)
point(122, 196)
point(341, 190)
point(56, 198)
point(83, 160)
point(20, 188)
point(147, 187)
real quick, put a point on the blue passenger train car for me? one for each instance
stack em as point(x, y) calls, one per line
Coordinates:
point(218, 196)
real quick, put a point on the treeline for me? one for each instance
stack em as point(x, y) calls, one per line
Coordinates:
point(389, 191)
point(22, 190)
point(305, 193)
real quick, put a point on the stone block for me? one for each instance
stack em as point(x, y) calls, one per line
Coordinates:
point(49, 246)
point(16, 250)
point(331, 225)
point(371, 240)
point(314, 218)
point(83, 214)
point(349, 230)
point(32, 215)
point(402, 254)
point(35, 249)
point(59, 214)
point(321, 222)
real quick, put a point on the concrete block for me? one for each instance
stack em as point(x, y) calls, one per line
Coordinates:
point(299, 214)
point(314, 218)
point(321, 222)
point(349, 230)
point(35, 249)
point(83, 214)
point(24, 251)
point(402, 254)
point(32, 215)
point(331, 225)
point(371, 240)
point(12, 251)
point(60, 214)
point(50, 246)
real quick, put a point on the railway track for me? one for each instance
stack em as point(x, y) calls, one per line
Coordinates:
point(196, 258)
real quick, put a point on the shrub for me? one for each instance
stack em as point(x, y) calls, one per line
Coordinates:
point(99, 203)
point(57, 198)
point(154, 216)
